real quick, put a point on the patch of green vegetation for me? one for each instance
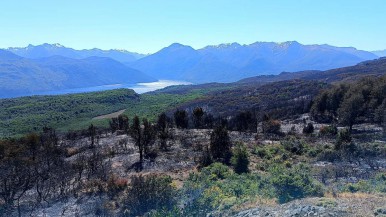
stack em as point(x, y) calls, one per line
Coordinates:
point(294, 183)
point(218, 187)
point(327, 203)
point(151, 105)
point(373, 185)
point(73, 111)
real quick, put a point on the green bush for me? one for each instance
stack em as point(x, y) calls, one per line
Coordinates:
point(240, 159)
point(294, 183)
point(216, 187)
point(329, 131)
point(343, 138)
point(148, 193)
point(216, 171)
point(294, 146)
point(375, 184)
point(380, 182)
point(362, 186)
point(175, 212)
point(262, 153)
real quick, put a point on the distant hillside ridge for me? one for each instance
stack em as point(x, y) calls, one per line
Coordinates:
point(232, 62)
point(351, 73)
point(22, 76)
point(48, 50)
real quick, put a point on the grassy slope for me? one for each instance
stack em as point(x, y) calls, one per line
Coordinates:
point(75, 111)
point(64, 112)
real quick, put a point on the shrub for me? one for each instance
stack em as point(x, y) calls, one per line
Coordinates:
point(330, 130)
point(271, 127)
point(262, 153)
point(115, 185)
point(308, 129)
point(361, 186)
point(344, 137)
point(294, 146)
point(329, 155)
point(206, 158)
point(216, 171)
point(294, 183)
point(147, 193)
point(380, 182)
point(239, 160)
point(217, 188)
point(175, 212)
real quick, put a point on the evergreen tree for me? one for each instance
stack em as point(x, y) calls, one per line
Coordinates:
point(220, 145)
point(181, 119)
point(135, 132)
point(198, 114)
point(350, 110)
point(148, 136)
point(163, 130)
point(240, 159)
point(92, 134)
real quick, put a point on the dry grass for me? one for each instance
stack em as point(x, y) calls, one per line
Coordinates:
point(357, 195)
point(72, 151)
point(256, 202)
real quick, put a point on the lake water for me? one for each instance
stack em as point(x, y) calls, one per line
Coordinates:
point(138, 88)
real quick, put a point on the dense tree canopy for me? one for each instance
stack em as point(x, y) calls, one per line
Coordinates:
point(352, 103)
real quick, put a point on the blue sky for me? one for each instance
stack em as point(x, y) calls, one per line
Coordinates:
point(148, 25)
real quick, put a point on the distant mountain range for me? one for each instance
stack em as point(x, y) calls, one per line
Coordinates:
point(380, 53)
point(47, 67)
point(23, 76)
point(231, 62)
point(48, 50)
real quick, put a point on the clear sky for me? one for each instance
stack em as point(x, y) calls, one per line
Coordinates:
point(146, 26)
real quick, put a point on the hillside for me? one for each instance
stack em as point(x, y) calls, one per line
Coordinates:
point(232, 62)
point(350, 73)
point(380, 53)
point(275, 94)
point(22, 76)
point(74, 111)
point(241, 149)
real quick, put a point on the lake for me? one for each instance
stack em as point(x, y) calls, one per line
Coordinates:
point(138, 88)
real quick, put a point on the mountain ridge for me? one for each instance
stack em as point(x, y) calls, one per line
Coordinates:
point(233, 61)
point(21, 76)
point(46, 50)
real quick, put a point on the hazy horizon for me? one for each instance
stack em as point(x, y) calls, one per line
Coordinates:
point(196, 48)
point(148, 26)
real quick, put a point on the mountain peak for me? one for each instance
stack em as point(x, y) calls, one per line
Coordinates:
point(46, 45)
point(289, 43)
point(233, 45)
point(177, 46)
